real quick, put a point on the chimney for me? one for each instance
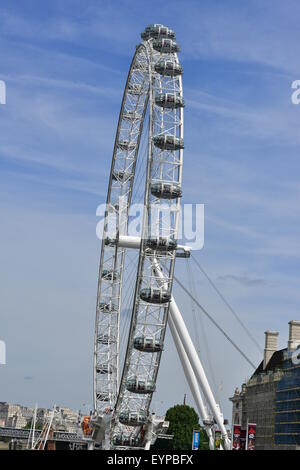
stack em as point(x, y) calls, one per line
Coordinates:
point(270, 346)
point(294, 336)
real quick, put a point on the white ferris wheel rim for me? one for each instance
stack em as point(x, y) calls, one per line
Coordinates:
point(112, 395)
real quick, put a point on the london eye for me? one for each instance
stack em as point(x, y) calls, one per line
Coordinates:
point(134, 299)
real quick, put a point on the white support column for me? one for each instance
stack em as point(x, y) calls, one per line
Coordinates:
point(197, 368)
point(192, 381)
point(195, 362)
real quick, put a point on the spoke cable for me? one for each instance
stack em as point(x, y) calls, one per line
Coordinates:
point(227, 304)
point(202, 326)
point(214, 322)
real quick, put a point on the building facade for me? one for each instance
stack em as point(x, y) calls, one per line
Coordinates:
point(18, 416)
point(287, 418)
point(15, 416)
point(271, 397)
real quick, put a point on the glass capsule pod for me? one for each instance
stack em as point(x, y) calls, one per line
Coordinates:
point(131, 115)
point(105, 339)
point(102, 396)
point(108, 275)
point(169, 100)
point(161, 244)
point(120, 175)
point(155, 296)
point(126, 440)
point(140, 386)
point(135, 89)
point(147, 344)
point(168, 142)
point(107, 307)
point(133, 418)
point(140, 66)
point(166, 190)
point(157, 31)
point(109, 241)
point(165, 46)
point(103, 369)
point(126, 145)
point(168, 67)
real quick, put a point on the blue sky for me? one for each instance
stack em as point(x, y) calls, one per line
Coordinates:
point(65, 65)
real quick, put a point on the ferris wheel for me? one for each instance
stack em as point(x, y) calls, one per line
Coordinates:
point(134, 299)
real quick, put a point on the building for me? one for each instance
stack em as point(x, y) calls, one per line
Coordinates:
point(271, 397)
point(18, 416)
point(15, 416)
point(42, 416)
point(66, 419)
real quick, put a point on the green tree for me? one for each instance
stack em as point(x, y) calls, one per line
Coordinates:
point(38, 426)
point(183, 420)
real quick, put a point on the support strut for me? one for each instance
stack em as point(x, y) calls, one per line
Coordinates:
point(192, 381)
point(175, 315)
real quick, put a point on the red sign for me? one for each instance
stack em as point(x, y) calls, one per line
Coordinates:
point(236, 437)
point(251, 436)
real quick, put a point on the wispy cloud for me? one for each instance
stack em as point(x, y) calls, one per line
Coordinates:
point(244, 280)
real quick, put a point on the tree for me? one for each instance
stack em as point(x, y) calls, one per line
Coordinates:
point(183, 420)
point(38, 425)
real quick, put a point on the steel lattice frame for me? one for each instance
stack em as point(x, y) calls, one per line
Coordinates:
point(161, 217)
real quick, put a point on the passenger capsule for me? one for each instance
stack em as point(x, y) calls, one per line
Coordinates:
point(108, 275)
point(109, 241)
point(147, 344)
point(135, 89)
point(140, 66)
point(121, 175)
point(107, 307)
point(165, 190)
point(155, 296)
point(126, 440)
point(169, 100)
point(126, 145)
point(102, 396)
point(161, 244)
point(165, 46)
point(103, 369)
point(140, 386)
point(131, 116)
point(157, 31)
point(105, 339)
point(168, 142)
point(168, 67)
point(133, 418)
